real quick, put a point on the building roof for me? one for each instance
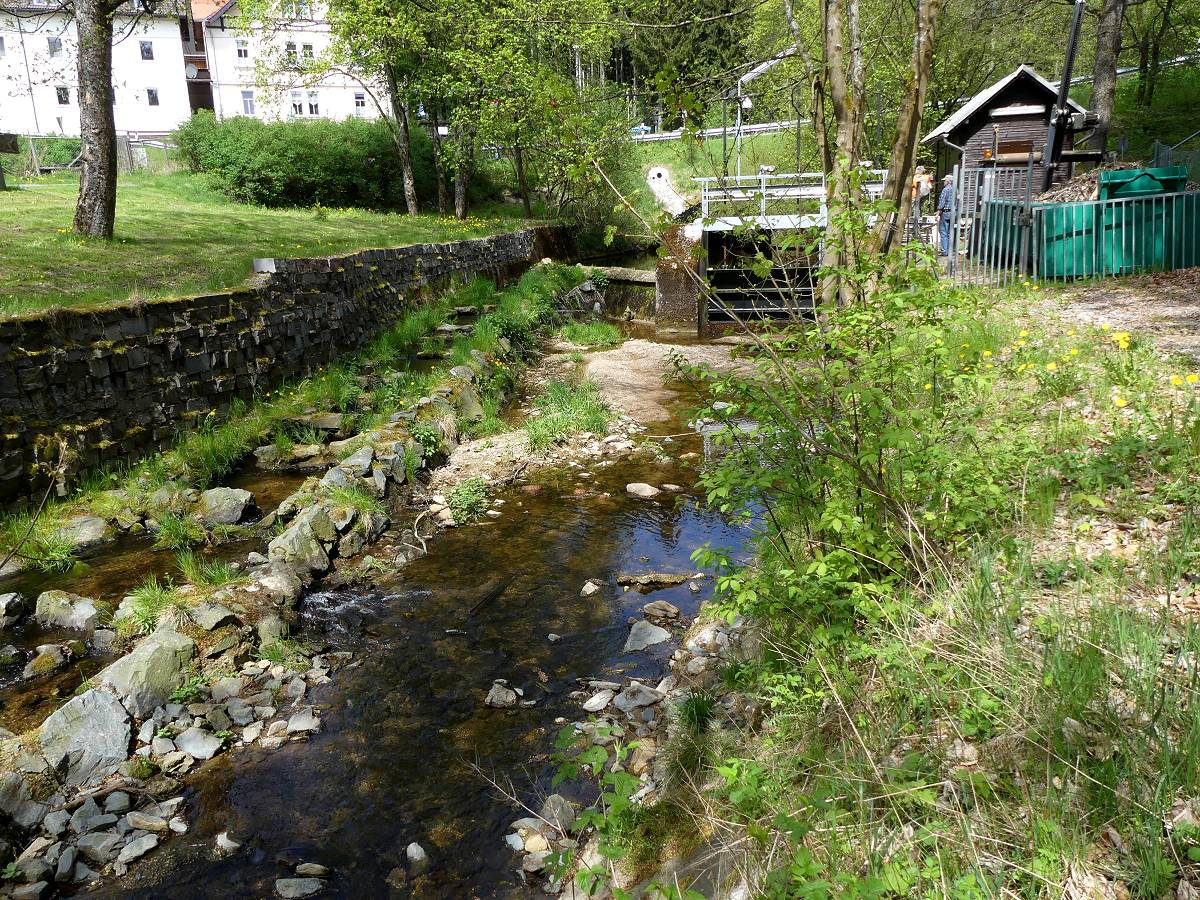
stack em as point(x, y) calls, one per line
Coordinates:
point(980, 100)
point(210, 9)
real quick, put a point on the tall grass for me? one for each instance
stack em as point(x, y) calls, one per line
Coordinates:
point(565, 409)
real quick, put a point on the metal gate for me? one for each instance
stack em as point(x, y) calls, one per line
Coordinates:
point(989, 241)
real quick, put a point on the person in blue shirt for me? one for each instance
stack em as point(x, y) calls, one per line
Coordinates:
point(945, 208)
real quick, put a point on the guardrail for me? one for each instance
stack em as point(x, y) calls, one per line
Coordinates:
point(755, 194)
point(731, 130)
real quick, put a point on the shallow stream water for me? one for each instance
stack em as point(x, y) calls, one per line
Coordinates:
point(401, 731)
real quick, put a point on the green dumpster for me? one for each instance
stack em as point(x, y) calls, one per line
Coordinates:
point(1139, 219)
point(1064, 239)
point(1185, 227)
point(1123, 183)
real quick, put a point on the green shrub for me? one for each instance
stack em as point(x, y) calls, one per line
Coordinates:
point(468, 500)
point(311, 162)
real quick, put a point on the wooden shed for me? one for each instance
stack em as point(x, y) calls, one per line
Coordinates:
point(1003, 124)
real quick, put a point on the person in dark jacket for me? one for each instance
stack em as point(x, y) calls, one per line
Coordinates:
point(945, 209)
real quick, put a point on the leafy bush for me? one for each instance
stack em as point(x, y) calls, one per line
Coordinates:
point(309, 162)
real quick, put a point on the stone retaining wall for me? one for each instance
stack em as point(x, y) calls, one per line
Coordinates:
point(118, 383)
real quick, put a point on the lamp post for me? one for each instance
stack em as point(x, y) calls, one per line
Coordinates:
point(747, 104)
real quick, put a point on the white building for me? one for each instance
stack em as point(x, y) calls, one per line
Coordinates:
point(261, 73)
point(39, 84)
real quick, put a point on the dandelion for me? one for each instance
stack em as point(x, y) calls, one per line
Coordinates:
point(1024, 333)
point(1050, 367)
point(1119, 401)
point(1176, 380)
point(1074, 351)
point(928, 386)
point(987, 353)
point(1105, 327)
point(1192, 378)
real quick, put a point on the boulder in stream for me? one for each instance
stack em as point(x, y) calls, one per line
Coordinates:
point(643, 490)
point(13, 608)
point(643, 634)
point(224, 505)
point(58, 608)
point(85, 532)
point(303, 545)
point(87, 738)
point(145, 678)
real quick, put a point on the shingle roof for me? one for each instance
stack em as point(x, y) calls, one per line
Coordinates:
point(980, 100)
point(209, 9)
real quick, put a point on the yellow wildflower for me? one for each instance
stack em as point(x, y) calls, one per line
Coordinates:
point(987, 353)
point(1119, 401)
point(1176, 380)
point(1105, 327)
point(1074, 351)
point(1024, 333)
point(1050, 367)
point(1192, 378)
point(928, 386)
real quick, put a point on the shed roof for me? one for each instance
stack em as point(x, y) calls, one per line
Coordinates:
point(980, 100)
point(209, 9)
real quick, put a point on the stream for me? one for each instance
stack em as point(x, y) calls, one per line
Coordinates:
point(401, 730)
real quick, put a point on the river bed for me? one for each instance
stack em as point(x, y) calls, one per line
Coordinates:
point(393, 762)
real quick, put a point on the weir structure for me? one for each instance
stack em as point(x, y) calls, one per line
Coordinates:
point(755, 240)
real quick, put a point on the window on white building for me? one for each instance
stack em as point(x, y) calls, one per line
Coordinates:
point(147, 48)
point(314, 105)
point(289, 53)
point(297, 103)
point(243, 49)
point(307, 50)
point(360, 104)
point(54, 45)
point(248, 102)
point(152, 96)
point(63, 94)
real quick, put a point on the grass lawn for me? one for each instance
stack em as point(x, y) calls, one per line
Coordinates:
point(176, 236)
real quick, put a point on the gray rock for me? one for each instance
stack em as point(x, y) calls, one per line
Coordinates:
point(343, 517)
point(198, 743)
point(359, 462)
point(312, 870)
point(86, 811)
point(116, 802)
point(661, 609)
point(418, 859)
point(293, 888)
point(85, 532)
point(66, 864)
point(211, 616)
point(224, 688)
point(56, 822)
point(10, 656)
point(99, 847)
point(224, 505)
point(161, 746)
point(635, 696)
point(47, 658)
point(58, 608)
point(146, 677)
point(558, 811)
point(87, 737)
point(643, 490)
point(643, 634)
point(352, 544)
point(226, 844)
point(303, 722)
point(335, 478)
point(240, 711)
point(12, 609)
point(147, 821)
point(598, 701)
point(303, 544)
point(30, 891)
point(501, 696)
point(470, 407)
point(271, 630)
point(100, 822)
point(219, 719)
point(33, 869)
point(267, 457)
point(281, 582)
point(136, 848)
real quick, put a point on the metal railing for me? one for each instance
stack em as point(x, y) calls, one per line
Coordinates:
point(1103, 238)
point(759, 195)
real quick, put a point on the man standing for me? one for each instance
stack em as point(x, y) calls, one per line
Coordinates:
point(945, 209)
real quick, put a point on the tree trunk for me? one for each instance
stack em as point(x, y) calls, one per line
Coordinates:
point(439, 161)
point(462, 172)
point(897, 191)
point(522, 182)
point(402, 138)
point(96, 209)
point(1104, 72)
